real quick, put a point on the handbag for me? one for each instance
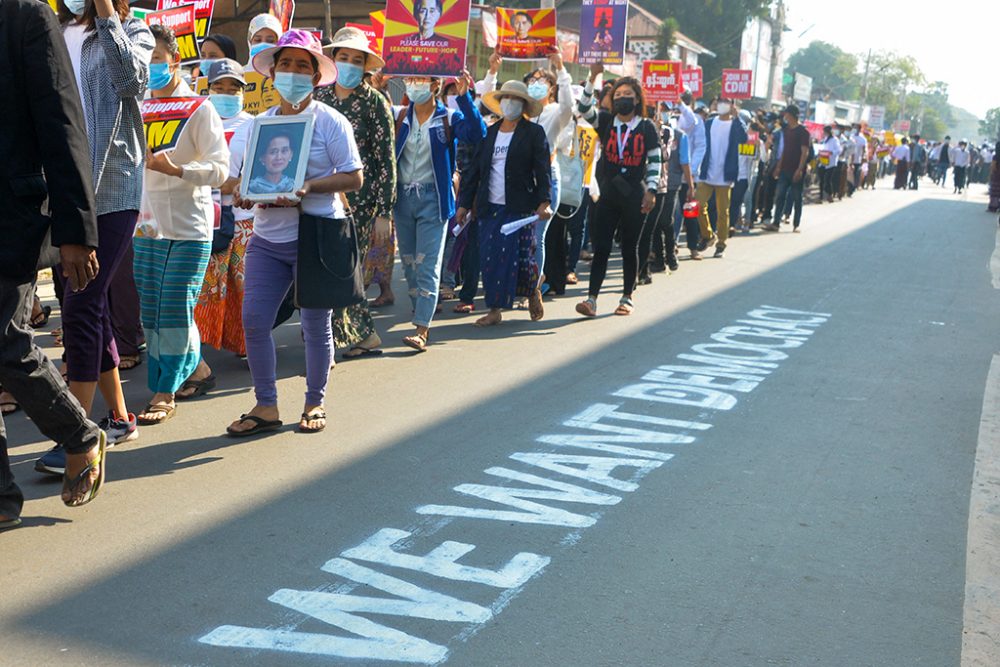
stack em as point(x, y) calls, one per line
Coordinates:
point(571, 174)
point(223, 235)
point(328, 272)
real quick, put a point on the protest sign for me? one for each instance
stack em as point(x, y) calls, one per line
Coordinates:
point(602, 32)
point(824, 158)
point(814, 129)
point(181, 20)
point(749, 149)
point(526, 34)
point(283, 10)
point(202, 14)
point(378, 23)
point(425, 38)
point(164, 120)
point(901, 126)
point(259, 94)
point(692, 79)
point(737, 83)
point(661, 80)
point(876, 118)
point(374, 43)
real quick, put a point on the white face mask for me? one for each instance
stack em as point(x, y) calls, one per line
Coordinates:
point(723, 108)
point(451, 101)
point(511, 108)
point(836, 133)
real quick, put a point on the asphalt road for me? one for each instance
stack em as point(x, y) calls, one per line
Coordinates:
point(805, 506)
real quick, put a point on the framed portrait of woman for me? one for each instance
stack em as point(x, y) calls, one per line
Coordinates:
point(276, 158)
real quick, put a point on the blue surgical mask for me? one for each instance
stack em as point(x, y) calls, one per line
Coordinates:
point(204, 66)
point(349, 75)
point(418, 92)
point(538, 90)
point(159, 75)
point(227, 105)
point(257, 48)
point(76, 6)
point(293, 87)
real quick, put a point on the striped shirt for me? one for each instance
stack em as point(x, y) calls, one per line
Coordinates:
point(630, 149)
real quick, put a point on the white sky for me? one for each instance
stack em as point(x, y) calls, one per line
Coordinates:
point(953, 41)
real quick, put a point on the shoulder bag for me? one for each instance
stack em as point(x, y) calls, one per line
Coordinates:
point(329, 269)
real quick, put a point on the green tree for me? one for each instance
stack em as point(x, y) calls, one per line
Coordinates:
point(989, 128)
point(890, 77)
point(668, 32)
point(834, 71)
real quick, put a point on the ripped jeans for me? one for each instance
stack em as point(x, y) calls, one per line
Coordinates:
point(420, 237)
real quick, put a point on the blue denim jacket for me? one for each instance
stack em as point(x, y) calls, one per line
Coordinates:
point(114, 66)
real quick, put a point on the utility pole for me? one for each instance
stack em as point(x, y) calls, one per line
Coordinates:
point(328, 19)
point(777, 30)
point(864, 85)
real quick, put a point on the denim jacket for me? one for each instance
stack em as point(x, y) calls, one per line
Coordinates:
point(114, 66)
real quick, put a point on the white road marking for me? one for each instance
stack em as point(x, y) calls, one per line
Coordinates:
point(981, 631)
point(736, 362)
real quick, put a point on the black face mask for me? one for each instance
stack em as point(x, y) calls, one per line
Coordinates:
point(624, 105)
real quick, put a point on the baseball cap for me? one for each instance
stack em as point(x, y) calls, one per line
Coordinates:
point(225, 68)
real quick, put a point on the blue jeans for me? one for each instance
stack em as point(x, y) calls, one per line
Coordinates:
point(420, 236)
point(787, 196)
point(542, 227)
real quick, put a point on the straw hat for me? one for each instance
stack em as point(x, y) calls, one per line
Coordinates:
point(297, 39)
point(532, 107)
point(352, 38)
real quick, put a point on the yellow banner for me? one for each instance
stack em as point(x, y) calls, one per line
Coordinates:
point(258, 96)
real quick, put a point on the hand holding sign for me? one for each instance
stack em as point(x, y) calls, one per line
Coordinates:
point(162, 163)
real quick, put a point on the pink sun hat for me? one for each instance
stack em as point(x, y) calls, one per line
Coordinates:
point(297, 39)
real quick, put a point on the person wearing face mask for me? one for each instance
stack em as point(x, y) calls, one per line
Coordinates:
point(219, 312)
point(110, 53)
point(264, 31)
point(370, 116)
point(213, 48)
point(297, 65)
point(508, 181)
point(843, 159)
point(425, 152)
point(789, 168)
point(628, 174)
point(173, 238)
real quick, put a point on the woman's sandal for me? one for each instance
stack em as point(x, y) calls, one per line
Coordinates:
point(417, 342)
point(447, 294)
point(465, 308)
point(535, 306)
point(41, 319)
point(10, 406)
point(489, 320)
point(382, 301)
point(127, 362)
point(625, 307)
point(261, 426)
point(57, 334)
point(361, 352)
point(313, 416)
point(587, 308)
point(201, 387)
point(73, 485)
point(167, 411)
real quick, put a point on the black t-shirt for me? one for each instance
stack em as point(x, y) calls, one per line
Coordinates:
point(632, 164)
point(793, 140)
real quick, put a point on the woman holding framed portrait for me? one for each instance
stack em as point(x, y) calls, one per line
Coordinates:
point(309, 142)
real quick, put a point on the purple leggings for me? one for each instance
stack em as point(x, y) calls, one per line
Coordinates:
point(270, 270)
point(86, 317)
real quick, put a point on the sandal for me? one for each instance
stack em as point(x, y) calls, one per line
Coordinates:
point(465, 308)
point(417, 342)
point(10, 523)
point(313, 416)
point(73, 485)
point(535, 306)
point(447, 294)
point(489, 320)
point(41, 319)
point(127, 362)
point(201, 387)
point(361, 352)
point(159, 409)
point(262, 426)
point(381, 301)
point(11, 403)
point(587, 308)
point(572, 279)
point(57, 334)
point(625, 306)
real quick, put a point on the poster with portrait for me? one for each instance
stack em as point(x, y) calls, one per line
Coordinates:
point(276, 157)
point(526, 34)
point(202, 14)
point(425, 37)
point(283, 10)
point(259, 94)
point(661, 80)
point(181, 20)
point(602, 32)
point(164, 120)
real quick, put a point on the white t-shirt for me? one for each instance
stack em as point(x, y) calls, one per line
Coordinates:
point(75, 34)
point(901, 152)
point(720, 146)
point(240, 126)
point(332, 151)
point(498, 169)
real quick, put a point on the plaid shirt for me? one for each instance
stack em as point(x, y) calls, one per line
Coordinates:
point(115, 67)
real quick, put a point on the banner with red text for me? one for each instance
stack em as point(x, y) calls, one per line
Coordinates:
point(693, 80)
point(164, 120)
point(181, 20)
point(424, 38)
point(661, 80)
point(202, 14)
point(737, 84)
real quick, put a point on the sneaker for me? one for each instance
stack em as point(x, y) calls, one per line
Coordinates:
point(796, 230)
point(719, 251)
point(672, 264)
point(696, 255)
point(53, 462)
point(645, 280)
point(119, 430)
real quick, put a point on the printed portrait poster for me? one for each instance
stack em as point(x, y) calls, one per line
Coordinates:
point(283, 10)
point(276, 158)
point(181, 20)
point(661, 80)
point(425, 37)
point(202, 14)
point(526, 34)
point(259, 94)
point(692, 78)
point(164, 120)
point(737, 84)
point(378, 23)
point(602, 32)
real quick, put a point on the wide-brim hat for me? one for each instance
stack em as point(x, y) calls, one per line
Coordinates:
point(352, 38)
point(532, 107)
point(297, 39)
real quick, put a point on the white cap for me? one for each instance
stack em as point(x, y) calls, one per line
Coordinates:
point(262, 21)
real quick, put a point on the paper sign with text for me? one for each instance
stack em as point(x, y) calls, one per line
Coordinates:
point(737, 83)
point(692, 79)
point(259, 94)
point(749, 149)
point(526, 34)
point(661, 80)
point(181, 20)
point(202, 14)
point(164, 120)
point(602, 32)
point(424, 38)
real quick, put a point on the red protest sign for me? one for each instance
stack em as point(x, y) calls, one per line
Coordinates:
point(692, 79)
point(526, 34)
point(181, 20)
point(737, 83)
point(164, 119)
point(202, 13)
point(661, 80)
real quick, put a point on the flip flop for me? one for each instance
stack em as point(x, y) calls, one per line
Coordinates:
point(201, 387)
point(465, 308)
point(535, 306)
point(365, 352)
point(127, 362)
point(167, 411)
point(625, 307)
point(262, 426)
point(41, 319)
point(587, 308)
point(71, 485)
point(309, 417)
